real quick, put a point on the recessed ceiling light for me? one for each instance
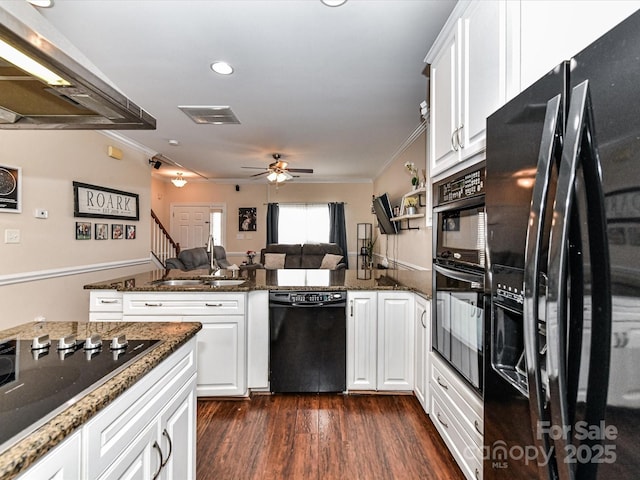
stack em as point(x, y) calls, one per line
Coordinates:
point(223, 68)
point(174, 143)
point(41, 3)
point(333, 3)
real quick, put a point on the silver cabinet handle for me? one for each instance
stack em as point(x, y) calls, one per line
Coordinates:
point(166, 434)
point(443, 385)
point(213, 304)
point(351, 308)
point(476, 425)
point(446, 425)
point(477, 474)
point(157, 447)
point(152, 304)
point(458, 136)
point(424, 325)
point(109, 301)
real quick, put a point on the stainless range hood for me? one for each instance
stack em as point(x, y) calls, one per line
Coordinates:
point(81, 98)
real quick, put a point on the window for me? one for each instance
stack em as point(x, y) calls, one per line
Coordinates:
point(303, 223)
point(217, 218)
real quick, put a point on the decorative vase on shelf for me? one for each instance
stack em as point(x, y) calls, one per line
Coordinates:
point(411, 211)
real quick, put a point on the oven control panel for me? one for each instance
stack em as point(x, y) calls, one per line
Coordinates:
point(461, 187)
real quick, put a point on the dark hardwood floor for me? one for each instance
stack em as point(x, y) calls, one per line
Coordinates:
point(313, 437)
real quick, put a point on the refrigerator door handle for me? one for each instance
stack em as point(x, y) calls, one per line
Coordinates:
point(459, 275)
point(548, 144)
point(579, 149)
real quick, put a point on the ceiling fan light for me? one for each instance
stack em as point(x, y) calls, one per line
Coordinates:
point(281, 177)
point(179, 181)
point(272, 176)
point(333, 3)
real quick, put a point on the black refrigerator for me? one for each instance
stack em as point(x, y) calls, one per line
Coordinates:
point(562, 336)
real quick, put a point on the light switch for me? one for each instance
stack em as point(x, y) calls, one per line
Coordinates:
point(12, 235)
point(41, 213)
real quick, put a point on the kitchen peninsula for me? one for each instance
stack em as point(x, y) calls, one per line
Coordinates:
point(147, 401)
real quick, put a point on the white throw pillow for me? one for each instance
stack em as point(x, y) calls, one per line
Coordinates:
point(330, 261)
point(274, 261)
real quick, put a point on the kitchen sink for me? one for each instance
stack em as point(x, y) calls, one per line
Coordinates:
point(224, 282)
point(178, 282)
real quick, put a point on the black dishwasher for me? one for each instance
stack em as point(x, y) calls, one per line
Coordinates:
point(308, 338)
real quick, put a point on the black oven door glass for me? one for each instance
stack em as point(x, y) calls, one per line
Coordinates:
point(459, 322)
point(461, 236)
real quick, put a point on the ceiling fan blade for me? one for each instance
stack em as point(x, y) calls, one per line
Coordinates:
point(300, 170)
point(255, 168)
point(258, 174)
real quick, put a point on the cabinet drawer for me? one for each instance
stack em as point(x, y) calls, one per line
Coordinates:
point(466, 451)
point(107, 435)
point(105, 301)
point(463, 399)
point(196, 303)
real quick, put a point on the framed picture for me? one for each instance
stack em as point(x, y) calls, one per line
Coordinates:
point(130, 232)
point(101, 202)
point(102, 231)
point(247, 219)
point(10, 189)
point(83, 230)
point(117, 231)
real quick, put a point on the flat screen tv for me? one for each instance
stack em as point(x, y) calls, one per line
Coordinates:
point(382, 207)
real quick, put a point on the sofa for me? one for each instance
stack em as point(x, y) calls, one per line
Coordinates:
point(309, 255)
point(196, 258)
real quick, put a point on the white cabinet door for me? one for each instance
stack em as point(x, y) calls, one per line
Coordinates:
point(556, 30)
point(221, 356)
point(422, 347)
point(483, 72)
point(395, 341)
point(178, 435)
point(361, 340)
point(445, 96)
point(59, 464)
point(140, 460)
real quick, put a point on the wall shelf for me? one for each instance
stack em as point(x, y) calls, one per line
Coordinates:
point(420, 195)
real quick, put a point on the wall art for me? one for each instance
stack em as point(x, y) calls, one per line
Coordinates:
point(102, 202)
point(10, 189)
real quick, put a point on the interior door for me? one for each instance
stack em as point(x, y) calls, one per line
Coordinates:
point(190, 225)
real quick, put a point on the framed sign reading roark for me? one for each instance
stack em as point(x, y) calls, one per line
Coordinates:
point(101, 202)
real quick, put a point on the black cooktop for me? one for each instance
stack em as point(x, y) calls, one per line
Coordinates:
point(37, 384)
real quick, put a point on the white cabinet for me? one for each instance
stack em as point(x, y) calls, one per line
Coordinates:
point(362, 337)
point(150, 429)
point(457, 412)
point(105, 306)
point(258, 340)
point(380, 341)
point(556, 30)
point(422, 325)
point(469, 80)
point(222, 342)
point(61, 463)
point(395, 341)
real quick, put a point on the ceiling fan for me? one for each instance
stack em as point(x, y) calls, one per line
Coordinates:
point(278, 171)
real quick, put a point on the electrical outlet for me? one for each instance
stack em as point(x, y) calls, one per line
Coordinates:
point(41, 213)
point(12, 235)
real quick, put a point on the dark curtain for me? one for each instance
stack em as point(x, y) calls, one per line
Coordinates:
point(338, 229)
point(272, 223)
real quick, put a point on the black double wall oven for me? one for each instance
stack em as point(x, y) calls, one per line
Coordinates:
point(458, 273)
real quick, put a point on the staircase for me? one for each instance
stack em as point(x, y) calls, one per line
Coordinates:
point(162, 245)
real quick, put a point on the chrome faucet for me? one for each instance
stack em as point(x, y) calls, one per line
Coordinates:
point(213, 263)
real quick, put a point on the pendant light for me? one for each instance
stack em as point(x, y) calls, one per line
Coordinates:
point(179, 181)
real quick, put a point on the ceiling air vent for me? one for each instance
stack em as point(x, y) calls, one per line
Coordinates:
point(213, 115)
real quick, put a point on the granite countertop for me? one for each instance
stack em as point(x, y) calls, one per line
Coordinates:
point(290, 279)
point(25, 452)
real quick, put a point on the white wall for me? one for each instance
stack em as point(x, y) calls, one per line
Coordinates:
point(51, 161)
